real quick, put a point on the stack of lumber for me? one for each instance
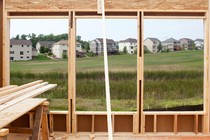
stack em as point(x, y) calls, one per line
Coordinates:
point(11, 95)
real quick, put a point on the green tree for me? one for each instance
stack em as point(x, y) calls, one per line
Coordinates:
point(42, 49)
point(17, 37)
point(125, 50)
point(24, 37)
point(64, 56)
point(46, 50)
point(160, 47)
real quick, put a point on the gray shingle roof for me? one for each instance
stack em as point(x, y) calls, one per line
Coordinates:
point(46, 43)
point(154, 40)
point(200, 40)
point(130, 40)
point(20, 42)
point(170, 40)
point(107, 40)
point(64, 42)
point(188, 39)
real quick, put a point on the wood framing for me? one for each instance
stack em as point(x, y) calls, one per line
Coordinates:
point(138, 122)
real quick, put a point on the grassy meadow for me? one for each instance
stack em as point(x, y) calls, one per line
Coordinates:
point(171, 79)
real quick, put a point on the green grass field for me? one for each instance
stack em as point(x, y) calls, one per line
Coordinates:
point(171, 79)
point(174, 61)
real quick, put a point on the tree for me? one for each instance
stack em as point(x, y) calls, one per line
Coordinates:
point(42, 49)
point(159, 48)
point(17, 37)
point(64, 56)
point(46, 50)
point(24, 37)
point(125, 50)
point(78, 38)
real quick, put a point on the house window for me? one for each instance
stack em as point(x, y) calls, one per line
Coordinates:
point(27, 45)
point(131, 47)
point(22, 45)
point(12, 52)
point(21, 57)
point(28, 57)
point(27, 51)
point(21, 52)
point(11, 58)
point(131, 51)
point(10, 46)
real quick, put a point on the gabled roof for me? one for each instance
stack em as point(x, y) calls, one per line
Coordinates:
point(154, 40)
point(46, 43)
point(188, 39)
point(20, 42)
point(107, 40)
point(199, 40)
point(129, 40)
point(170, 40)
point(63, 42)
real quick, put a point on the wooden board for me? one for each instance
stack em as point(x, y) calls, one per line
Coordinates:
point(1, 42)
point(14, 112)
point(90, 5)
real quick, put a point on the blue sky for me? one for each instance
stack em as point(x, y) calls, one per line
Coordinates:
point(117, 29)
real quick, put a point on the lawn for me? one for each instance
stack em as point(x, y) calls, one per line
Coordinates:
point(174, 61)
point(171, 79)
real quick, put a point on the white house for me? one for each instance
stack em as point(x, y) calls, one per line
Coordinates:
point(46, 44)
point(97, 46)
point(199, 44)
point(20, 50)
point(130, 44)
point(61, 47)
point(152, 44)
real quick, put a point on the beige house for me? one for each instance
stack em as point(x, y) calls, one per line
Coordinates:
point(186, 43)
point(97, 46)
point(20, 50)
point(129, 44)
point(171, 44)
point(61, 47)
point(152, 44)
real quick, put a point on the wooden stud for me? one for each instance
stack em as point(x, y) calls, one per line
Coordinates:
point(155, 124)
point(175, 123)
point(196, 124)
point(113, 123)
point(7, 87)
point(3, 134)
point(31, 120)
point(1, 40)
point(93, 124)
point(45, 128)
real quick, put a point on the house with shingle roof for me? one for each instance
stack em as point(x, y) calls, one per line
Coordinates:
point(199, 44)
point(152, 44)
point(61, 47)
point(130, 44)
point(20, 50)
point(96, 46)
point(171, 44)
point(186, 43)
point(45, 44)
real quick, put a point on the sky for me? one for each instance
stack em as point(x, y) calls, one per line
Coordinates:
point(116, 29)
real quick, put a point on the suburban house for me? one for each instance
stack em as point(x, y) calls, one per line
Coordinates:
point(20, 50)
point(199, 44)
point(186, 43)
point(152, 44)
point(34, 52)
point(96, 46)
point(129, 44)
point(60, 48)
point(171, 44)
point(46, 44)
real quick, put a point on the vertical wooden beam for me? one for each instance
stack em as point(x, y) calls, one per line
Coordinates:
point(51, 127)
point(45, 128)
point(155, 124)
point(1, 42)
point(206, 74)
point(31, 120)
point(196, 124)
point(72, 74)
point(37, 123)
point(6, 49)
point(3, 134)
point(175, 123)
point(93, 124)
point(140, 74)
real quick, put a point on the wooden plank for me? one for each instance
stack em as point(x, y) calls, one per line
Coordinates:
point(174, 112)
point(20, 130)
point(14, 112)
point(14, 95)
point(45, 128)
point(29, 95)
point(87, 5)
point(31, 120)
point(1, 42)
point(155, 124)
point(196, 124)
point(175, 123)
point(37, 123)
point(98, 113)
point(3, 93)
point(7, 87)
point(51, 129)
point(4, 132)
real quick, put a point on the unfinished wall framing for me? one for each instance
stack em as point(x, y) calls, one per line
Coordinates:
point(138, 122)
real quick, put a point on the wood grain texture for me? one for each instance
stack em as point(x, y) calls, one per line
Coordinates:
point(1, 43)
point(110, 5)
point(12, 113)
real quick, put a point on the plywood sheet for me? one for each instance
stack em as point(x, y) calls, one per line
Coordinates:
point(12, 113)
point(110, 5)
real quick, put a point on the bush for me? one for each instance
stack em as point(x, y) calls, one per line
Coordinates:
point(64, 56)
